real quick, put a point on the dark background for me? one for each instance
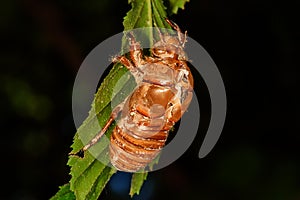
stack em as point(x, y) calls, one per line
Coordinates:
point(254, 46)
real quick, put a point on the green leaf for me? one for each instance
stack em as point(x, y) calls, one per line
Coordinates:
point(100, 183)
point(146, 13)
point(64, 193)
point(88, 175)
point(174, 5)
point(137, 181)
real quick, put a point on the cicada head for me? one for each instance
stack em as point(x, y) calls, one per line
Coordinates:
point(169, 47)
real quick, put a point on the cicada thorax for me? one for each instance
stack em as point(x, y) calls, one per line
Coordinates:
point(147, 116)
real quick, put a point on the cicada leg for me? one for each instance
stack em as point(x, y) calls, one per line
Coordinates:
point(176, 27)
point(136, 58)
point(97, 137)
point(135, 53)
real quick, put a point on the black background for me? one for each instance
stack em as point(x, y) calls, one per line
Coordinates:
point(254, 46)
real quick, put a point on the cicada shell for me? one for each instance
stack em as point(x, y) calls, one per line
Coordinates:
point(163, 93)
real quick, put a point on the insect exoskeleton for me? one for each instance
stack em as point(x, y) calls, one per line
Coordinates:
point(163, 93)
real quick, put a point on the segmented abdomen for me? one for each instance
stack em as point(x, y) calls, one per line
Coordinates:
point(143, 128)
